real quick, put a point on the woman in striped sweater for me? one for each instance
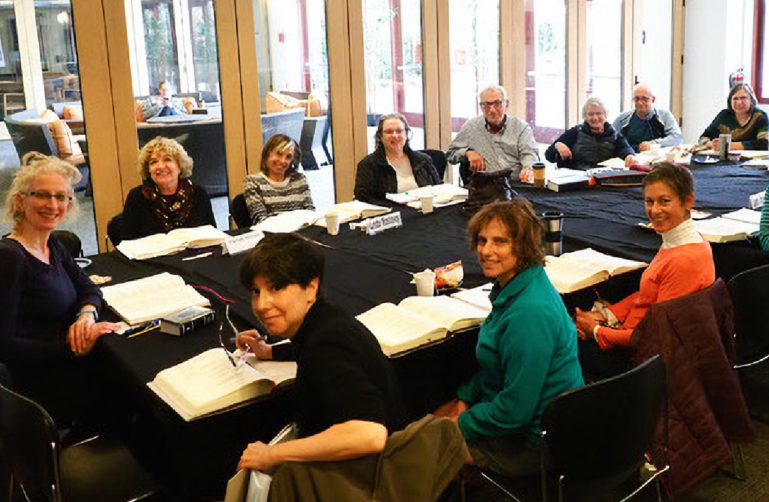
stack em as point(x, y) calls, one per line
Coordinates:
point(279, 187)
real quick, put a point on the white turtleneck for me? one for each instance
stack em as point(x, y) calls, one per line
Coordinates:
point(683, 233)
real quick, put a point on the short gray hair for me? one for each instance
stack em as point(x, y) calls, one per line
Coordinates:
point(494, 87)
point(596, 102)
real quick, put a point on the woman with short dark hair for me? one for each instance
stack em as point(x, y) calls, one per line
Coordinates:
point(279, 187)
point(393, 167)
point(527, 348)
point(347, 394)
point(167, 198)
point(742, 119)
point(683, 265)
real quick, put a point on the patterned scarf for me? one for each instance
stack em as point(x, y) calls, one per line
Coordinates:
point(171, 211)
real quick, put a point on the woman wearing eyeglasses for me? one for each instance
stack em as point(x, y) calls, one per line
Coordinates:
point(50, 307)
point(747, 124)
point(393, 167)
point(595, 140)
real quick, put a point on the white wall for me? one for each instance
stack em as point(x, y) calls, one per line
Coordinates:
point(719, 39)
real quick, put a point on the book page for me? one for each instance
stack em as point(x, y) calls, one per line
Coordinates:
point(209, 382)
point(449, 312)
point(277, 371)
point(568, 276)
point(151, 297)
point(595, 260)
point(744, 215)
point(477, 296)
point(397, 329)
point(287, 222)
point(613, 163)
point(198, 237)
point(150, 247)
point(724, 230)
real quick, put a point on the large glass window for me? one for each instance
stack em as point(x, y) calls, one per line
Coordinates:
point(474, 52)
point(604, 53)
point(292, 57)
point(175, 76)
point(43, 111)
point(546, 68)
point(760, 49)
point(392, 31)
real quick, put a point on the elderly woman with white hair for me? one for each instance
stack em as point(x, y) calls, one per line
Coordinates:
point(595, 140)
point(50, 307)
point(167, 198)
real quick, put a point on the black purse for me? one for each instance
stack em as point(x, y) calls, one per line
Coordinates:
point(485, 187)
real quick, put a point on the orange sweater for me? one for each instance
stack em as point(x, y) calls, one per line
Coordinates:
point(674, 272)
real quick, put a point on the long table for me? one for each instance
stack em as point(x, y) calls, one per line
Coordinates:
point(196, 458)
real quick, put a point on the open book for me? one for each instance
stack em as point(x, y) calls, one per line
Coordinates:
point(151, 297)
point(174, 241)
point(208, 382)
point(580, 269)
point(287, 222)
point(418, 320)
point(444, 194)
point(723, 229)
point(353, 210)
point(744, 215)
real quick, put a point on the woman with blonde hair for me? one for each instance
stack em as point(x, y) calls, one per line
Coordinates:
point(50, 307)
point(278, 187)
point(167, 198)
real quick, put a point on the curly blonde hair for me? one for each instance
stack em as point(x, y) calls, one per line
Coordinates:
point(165, 145)
point(34, 164)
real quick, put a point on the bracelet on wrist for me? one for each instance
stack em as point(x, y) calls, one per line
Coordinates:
point(89, 311)
point(595, 331)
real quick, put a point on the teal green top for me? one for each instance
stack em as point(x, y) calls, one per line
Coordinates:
point(763, 232)
point(527, 353)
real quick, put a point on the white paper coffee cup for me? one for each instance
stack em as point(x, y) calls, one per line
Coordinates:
point(332, 222)
point(427, 203)
point(425, 281)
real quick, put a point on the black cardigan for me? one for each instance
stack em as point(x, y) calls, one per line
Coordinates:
point(375, 177)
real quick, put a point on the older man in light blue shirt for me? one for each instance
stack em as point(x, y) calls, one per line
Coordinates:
point(496, 140)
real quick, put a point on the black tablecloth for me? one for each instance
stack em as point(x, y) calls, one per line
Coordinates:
point(363, 271)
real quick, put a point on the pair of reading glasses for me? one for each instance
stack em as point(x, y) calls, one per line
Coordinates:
point(236, 360)
point(44, 196)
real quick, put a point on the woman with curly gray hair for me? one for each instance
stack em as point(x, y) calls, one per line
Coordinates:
point(50, 307)
point(167, 198)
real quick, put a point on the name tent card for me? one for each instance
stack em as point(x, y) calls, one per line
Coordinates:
point(242, 242)
point(382, 223)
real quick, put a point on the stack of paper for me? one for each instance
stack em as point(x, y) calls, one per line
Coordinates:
point(744, 215)
point(724, 229)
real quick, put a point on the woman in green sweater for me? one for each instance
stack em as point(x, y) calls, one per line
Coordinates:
point(527, 347)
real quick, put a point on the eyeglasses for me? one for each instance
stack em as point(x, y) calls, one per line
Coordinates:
point(491, 104)
point(642, 98)
point(44, 196)
point(392, 132)
point(236, 360)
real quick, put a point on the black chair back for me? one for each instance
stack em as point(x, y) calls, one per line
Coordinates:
point(70, 241)
point(439, 160)
point(30, 137)
point(750, 294)
point(115, 229)
point(239, 211)
point(29, 440)
point(596, 436)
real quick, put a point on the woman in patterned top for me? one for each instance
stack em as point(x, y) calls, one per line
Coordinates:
point(747, 124)
point(279, 187)
point(167, 198)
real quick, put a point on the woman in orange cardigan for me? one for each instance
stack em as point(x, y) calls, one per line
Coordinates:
point(683, 265)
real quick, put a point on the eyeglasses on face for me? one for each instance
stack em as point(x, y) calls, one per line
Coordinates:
point(43, 196)
point(392, 132)
point(643, 99)
point(492, 104)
